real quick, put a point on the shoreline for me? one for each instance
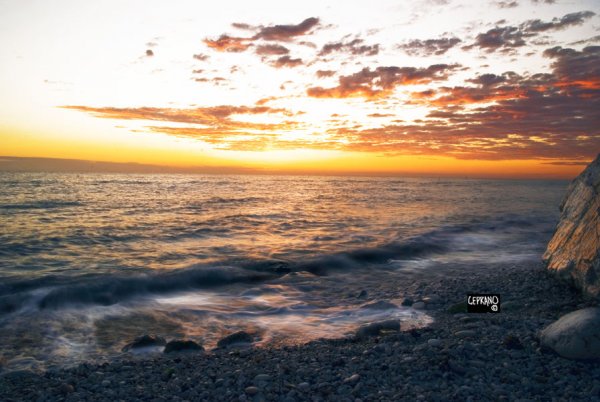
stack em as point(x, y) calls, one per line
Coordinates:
point(458, 357)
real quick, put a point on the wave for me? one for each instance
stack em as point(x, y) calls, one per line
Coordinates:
point(43, 204)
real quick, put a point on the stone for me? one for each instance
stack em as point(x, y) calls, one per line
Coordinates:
point(419, 305)
point(575, 335)
point(512, 342)
point(573, 253)
point(251, 390)
point(407, 302)
point(376, 328)
point(182, 346)
point(353, 379)
point(304, 387)
point(467, 333)
point(434, 342)
point(144, 341)
point(237, 338)
point(379, 305)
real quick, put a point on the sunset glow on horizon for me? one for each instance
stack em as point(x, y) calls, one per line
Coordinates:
point(436, 87)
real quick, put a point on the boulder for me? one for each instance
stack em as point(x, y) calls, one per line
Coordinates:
point(144, 341)
point(182, 346)
point(575, 335)
point(237, 338)
point(573, 253)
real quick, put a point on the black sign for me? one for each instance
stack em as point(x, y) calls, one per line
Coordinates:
point(483, 303)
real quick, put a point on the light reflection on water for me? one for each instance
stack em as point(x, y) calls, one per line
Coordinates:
point(89, 261)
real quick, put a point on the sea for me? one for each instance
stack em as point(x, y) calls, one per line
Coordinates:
point(88, 262)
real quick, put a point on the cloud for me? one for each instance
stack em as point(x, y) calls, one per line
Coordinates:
point(506, 4)
point(429, 47)
point(285, 61)
point(270, 50)
point(500, 38)
point(325, 73)
point(566, 21)
point(201, 57)
point(149, 53)
point(576, 68)
point(509, 37)
point(286, 32)
point(354, 47)
point(283, 33)
point(226, 43)
point(381, 81)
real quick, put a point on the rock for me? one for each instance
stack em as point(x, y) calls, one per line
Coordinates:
point(407, 302)
point(66, 388)
point(380, 305)
point(363, 294)
point(240, 337)
point(182, 346)
point(512, 342)
point(575, 335)
point(353, 379)
point(251, 390)
point(458, 308)
point(304, 387)
point(573, 253)
point(466, 333)
point(262, 378)
point(419, 305)
point(144, 341)
point(376, 328)
point(434, 342)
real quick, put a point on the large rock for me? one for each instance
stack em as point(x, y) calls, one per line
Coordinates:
point(574, 251)
point(575, 335)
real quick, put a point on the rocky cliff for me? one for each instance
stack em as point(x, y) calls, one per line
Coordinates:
point(574, 251)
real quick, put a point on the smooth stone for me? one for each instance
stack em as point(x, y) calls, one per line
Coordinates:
point(575, 335)
point(240, 337)
point(467, 333)
point(252, 390)
point(144, 341)
point(304, 387)
point(262, 378)
point(434, 342)
point(353, 379)
point(407, 302)
point(377, 328)
point(182, 346)
point(419, 305)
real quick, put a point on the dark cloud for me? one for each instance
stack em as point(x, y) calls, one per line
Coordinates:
point(354, 47)
point(566, 21)
point(149, 52)
point(509, 37)
point(151, 44)
point(593, 39)
point(429, 47)
point(271, 50)
point(373, 83)
point(500, 38)
point(543, 1)
point(576, 68)
point(241, 25)
point(286, 61)
point(286, 32)
point(325, 73)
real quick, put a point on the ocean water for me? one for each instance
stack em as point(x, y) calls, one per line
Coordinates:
point(90, 261)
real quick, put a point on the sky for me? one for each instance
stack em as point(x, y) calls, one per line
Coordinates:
point(437, 87)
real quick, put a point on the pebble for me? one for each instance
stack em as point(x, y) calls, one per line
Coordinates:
point(353, 379)
point(304, 387)
point(467, 333)
point(419, 305)
point(435, 342)
point(252, 390)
